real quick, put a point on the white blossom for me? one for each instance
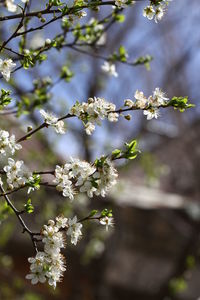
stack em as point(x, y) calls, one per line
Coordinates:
point(78, 168)
point(11, 6)
point(96, 26)
point(63, 182)
point(141, 101)
point(152, 104)
point(102, 39)
point(60, 127)
point(101, 181)
point(109, 68)
point(107, 221)
point(53, 121)
point(61, 221)
point(49, 118)
point(89, 128)
point(113, 117)
point(159, 97)
point(74, 230)
point(128, 102)
point(88, 188)
point(151, 113)
point(149, 12)
point(121, 3)
point(8, 143)
point(93, 111)
point(105, 178)
point(17, 173)
point(6, 67)
point(157, 11)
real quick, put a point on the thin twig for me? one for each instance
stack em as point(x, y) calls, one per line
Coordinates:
point(21, 221)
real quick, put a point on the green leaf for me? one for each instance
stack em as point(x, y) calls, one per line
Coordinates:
point(131, 152)
point(180, 103)
point(100, 161)
point(4, 98)
point(116, 153)
point(55, 2)
point(120, 18)
point(66, 73)
point(177, 285)
point(144, 60)
point(29, 207)
point(123, 53)
point(93, 212)
point(190, 262)
point(5, 211)
point(34, 182)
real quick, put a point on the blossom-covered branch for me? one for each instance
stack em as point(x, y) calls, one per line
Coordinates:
point(97, 109)
point(49, 264)
point(81, 34)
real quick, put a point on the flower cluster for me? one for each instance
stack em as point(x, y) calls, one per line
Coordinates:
point(95, 179)
point(93, 111)
point(150, 105)
point(53, 121)
point(49, 265)
point(8, 143)
point(102, 180)
point(77, 171)
point(6, 67)
point(156, 11)
point(109, 68)
point(63, 182)
point(17, 173)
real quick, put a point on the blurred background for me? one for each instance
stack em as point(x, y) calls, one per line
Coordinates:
point(153, 252)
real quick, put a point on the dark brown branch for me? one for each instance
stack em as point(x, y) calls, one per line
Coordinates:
point(47, 11)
